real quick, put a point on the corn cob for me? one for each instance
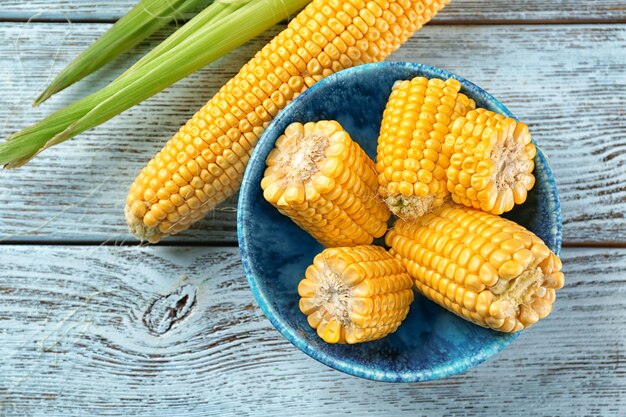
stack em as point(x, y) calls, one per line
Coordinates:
point(409, 162)
point(326, 184)
point(355, 294)
point(491, 161)
point(481, 267)
point(203, 163)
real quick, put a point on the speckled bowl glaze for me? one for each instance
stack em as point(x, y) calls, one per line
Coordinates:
point(432, 343)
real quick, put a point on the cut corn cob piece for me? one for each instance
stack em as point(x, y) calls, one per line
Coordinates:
point(317, 176)
point(355, 294)
point(203, 163)
point(491, 161)
point(481, 267)
point(409, 162)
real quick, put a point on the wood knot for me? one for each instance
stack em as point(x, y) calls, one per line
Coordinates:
point(169, 309)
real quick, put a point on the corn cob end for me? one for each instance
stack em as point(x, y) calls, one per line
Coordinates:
point(412, 207)
point(137, 226)
point(355, 294)
point(486, 269)
point(321, 179)
point(491, 161)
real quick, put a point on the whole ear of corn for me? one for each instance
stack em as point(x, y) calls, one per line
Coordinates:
point(491, 161)
point(410, 165)
point(325, 183)
point(483, 268)
point(203, 163)
point(355, 294)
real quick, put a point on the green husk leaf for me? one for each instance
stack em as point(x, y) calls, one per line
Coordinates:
point(218, 11)
point(140, 22)
point(232, 24)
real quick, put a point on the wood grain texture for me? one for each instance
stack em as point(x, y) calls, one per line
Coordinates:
point(567, 82)
point(74, 342)
point(474, 11)
point(71, 10)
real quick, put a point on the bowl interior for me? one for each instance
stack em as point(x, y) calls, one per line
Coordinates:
point(432, 342)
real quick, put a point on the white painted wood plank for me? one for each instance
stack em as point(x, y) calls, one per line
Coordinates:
point(75, 342)
point(566, 81)
point(465, 10)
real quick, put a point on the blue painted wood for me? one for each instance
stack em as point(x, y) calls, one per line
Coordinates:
point(82, 326)
point(77, 340)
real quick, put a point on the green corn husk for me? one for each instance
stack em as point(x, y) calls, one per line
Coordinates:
point(220, 28)
point(141, 21)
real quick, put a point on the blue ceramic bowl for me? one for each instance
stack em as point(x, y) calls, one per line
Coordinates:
point(432, 343)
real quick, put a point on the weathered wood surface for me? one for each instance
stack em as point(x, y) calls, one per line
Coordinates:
point(567, 81)
point(479, 11)
point(78, 339)
point(174, 330)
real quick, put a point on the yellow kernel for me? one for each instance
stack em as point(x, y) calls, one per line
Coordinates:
point(510, 269)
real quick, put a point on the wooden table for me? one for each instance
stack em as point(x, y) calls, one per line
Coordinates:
point(78, 319)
